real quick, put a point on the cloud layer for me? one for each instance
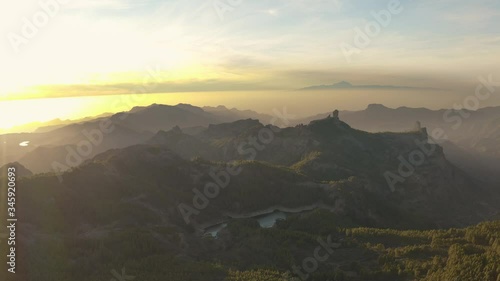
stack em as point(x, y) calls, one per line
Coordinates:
point(247, 42)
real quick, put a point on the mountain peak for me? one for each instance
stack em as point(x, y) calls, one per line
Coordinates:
point(344, 84)
point(340, 85)
point(176, 130)
point(332, 121)
point(376, 106)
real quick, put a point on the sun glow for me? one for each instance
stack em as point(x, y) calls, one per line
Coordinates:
point(18, 112)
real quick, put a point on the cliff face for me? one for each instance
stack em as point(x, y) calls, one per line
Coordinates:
point(473, 137)
point(403, 173)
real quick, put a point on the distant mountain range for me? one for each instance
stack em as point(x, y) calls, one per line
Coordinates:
point(474, 145)
point(143, 196)
point(325, 162)
point(347, 85)
point(52, 142)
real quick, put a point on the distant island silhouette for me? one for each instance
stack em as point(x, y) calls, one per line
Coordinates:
point(347, 85)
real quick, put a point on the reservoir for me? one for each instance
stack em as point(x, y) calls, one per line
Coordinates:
point(265, 221)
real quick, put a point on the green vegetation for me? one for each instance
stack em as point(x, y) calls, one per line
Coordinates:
point(466, 254)
point(120, 211)
point(246, 252)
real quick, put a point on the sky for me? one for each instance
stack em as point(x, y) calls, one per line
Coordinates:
point(76, 48)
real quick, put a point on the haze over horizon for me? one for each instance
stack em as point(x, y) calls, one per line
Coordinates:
point(249, 55)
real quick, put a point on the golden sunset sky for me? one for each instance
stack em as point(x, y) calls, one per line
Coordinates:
point(76, 58)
